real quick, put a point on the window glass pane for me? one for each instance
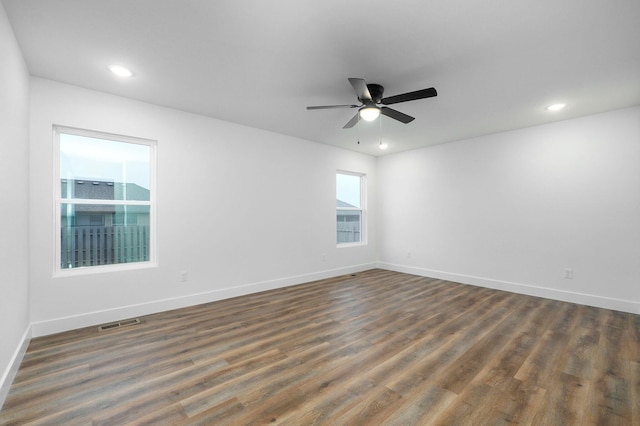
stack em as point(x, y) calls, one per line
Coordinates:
point(349, 226)
point(103, 234)
point(348, 190)
point(100, 169)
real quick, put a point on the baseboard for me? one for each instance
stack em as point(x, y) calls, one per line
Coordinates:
point(57, 325)
point(12, 369)
point(548, 293)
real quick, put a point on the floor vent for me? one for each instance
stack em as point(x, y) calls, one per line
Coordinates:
point(119, 324)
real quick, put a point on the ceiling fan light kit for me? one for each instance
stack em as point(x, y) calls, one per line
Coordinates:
point(370, 97)
point(369, 113)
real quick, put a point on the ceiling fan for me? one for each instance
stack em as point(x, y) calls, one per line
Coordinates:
point(370, 96)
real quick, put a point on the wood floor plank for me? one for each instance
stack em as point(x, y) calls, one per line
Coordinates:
point(634, 379)
point(377, 347)
point(428, 405)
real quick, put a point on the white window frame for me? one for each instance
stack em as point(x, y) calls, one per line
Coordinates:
point(58, 201)
point(362, 209)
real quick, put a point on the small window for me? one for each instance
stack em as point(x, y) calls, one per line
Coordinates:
point(105, 200)
point(350, 208)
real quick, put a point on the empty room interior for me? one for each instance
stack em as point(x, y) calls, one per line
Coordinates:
point(298, 212)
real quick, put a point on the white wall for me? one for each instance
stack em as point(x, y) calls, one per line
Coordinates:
point(240, 209)
point(514, 210)
point(14, 175)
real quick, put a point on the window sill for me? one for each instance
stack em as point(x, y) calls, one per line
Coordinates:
point(103, 269)
point(347, 245)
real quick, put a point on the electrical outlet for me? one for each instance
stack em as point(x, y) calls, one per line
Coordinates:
point(408, 255)
point(568, 273)
point(184, 276)
point(324, 257)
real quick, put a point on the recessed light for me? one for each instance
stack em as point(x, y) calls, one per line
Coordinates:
point(120, 71)
point(556, 107)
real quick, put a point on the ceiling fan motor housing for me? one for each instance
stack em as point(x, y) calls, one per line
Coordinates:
point(376, 91)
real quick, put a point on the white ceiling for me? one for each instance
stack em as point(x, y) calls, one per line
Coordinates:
point(495, 63)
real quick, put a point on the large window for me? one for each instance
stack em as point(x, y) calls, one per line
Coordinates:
point(350, 208)
point(104, 200)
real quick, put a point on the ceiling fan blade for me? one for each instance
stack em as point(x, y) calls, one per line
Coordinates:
point(410, 96)
point(352, 122)
point(396, 115)
point(332, 106)
point(360, 86)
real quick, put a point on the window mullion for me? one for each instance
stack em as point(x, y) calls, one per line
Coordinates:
point(93, 201)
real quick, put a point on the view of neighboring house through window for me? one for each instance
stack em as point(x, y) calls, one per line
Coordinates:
point(104, 199)
point(351, 209)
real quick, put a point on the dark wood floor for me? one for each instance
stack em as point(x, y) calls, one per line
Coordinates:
point(376, 348)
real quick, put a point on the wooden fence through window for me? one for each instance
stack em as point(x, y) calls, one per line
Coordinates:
point(103, 245)
point(348, 232)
